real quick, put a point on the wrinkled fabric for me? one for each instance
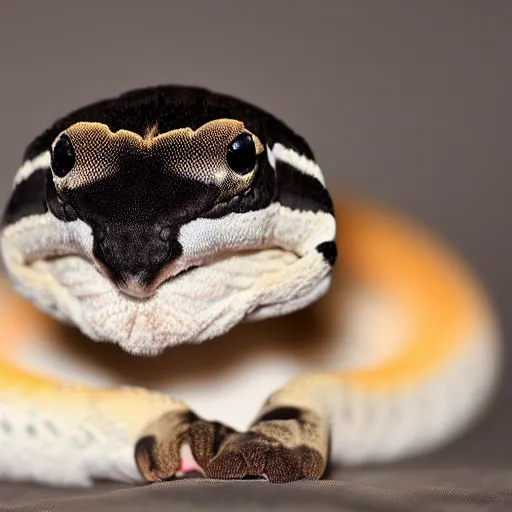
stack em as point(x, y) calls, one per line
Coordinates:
point(357, 491)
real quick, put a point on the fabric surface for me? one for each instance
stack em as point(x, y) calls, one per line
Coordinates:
point(408, 102)
point(384, 490)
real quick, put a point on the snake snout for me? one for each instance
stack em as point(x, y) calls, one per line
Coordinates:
point(135, 258)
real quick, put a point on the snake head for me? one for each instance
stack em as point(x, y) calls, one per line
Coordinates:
point(168, 215)
point(137, 192)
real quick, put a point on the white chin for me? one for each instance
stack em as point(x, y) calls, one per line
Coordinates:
point(200, 304)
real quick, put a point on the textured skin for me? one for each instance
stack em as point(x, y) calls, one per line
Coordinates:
point(427, 387)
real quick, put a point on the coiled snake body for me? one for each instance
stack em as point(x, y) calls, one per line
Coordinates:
point(167, 217)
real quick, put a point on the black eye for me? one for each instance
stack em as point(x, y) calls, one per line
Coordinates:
point(242, 154)
point(63, 156)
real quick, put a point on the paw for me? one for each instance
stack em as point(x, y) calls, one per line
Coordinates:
point(205, 438)
point(159, 453)
point(257, 454)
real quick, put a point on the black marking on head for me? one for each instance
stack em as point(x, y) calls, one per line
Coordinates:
point(134, 253)
point(136, 216)
point(282, 414)
point(62, 211)
point(301, 191)
point(28, 198)
point(329, 251)
point(172, 107)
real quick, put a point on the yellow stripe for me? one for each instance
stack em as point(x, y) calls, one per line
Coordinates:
point(430, 283)
point(19, 322)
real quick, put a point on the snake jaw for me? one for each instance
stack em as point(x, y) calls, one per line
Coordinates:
point(219, 214)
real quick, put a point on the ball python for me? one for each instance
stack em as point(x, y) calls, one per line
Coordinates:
point(171, 217)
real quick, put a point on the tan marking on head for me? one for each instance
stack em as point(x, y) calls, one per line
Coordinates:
point(151, 132)
point(192, 154)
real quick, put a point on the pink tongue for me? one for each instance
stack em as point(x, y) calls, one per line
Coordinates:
point(188, 463)
point(188, 467)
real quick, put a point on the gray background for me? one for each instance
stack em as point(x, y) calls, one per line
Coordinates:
point(406, 102)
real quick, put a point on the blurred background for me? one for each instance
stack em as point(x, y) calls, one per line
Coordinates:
point(406, 102)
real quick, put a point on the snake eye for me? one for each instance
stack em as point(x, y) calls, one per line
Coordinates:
point(242, 154)
point(63, 156)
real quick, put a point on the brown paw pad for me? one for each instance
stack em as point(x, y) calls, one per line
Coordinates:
point(205, 438)
point(254, 454)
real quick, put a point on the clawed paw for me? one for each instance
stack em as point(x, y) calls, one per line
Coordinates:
point(279, 450)
point(255, 454)
point(159, 454)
